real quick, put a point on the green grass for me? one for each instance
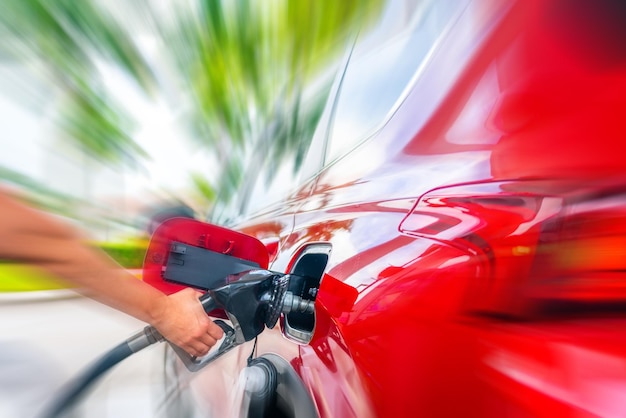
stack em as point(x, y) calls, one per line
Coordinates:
point(20, 278)
point(128, 254)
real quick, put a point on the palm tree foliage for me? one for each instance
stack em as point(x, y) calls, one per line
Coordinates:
point(65, 39)
point(253, 71)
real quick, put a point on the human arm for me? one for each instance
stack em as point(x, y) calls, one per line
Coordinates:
point(36, 238)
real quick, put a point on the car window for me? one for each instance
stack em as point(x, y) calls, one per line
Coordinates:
point(381, 67)
point(278, 177)
point(268, 189)
point(369, 84)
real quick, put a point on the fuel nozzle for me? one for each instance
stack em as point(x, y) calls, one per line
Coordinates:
point(252, 300)
point(259, 297)
point(279, 300)
point(295, 303)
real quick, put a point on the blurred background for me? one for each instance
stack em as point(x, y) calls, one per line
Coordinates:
point(114, 113)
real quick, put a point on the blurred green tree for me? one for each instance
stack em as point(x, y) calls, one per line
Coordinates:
point(255, 72)
point(64, 39)
point(260, 73)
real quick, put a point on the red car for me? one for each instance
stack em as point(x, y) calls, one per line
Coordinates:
point(461, 225)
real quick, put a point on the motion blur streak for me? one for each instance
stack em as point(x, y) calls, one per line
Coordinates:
point(460, 218)
point(111, 108)
point(479, 216)
point(229, 84)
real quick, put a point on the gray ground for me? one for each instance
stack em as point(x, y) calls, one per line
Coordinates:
point(46, 338)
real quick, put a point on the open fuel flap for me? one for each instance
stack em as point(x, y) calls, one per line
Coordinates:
point(184, 252)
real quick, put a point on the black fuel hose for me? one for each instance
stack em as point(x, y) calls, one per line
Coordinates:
point(144, 338)
point(148, 336)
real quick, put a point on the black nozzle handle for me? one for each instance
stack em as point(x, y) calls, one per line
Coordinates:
point(194, 363)
point(208, 302)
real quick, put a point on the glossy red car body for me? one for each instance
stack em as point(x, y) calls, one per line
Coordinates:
point(478, 237)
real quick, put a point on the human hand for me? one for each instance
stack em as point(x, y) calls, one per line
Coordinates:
point(182, 320)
